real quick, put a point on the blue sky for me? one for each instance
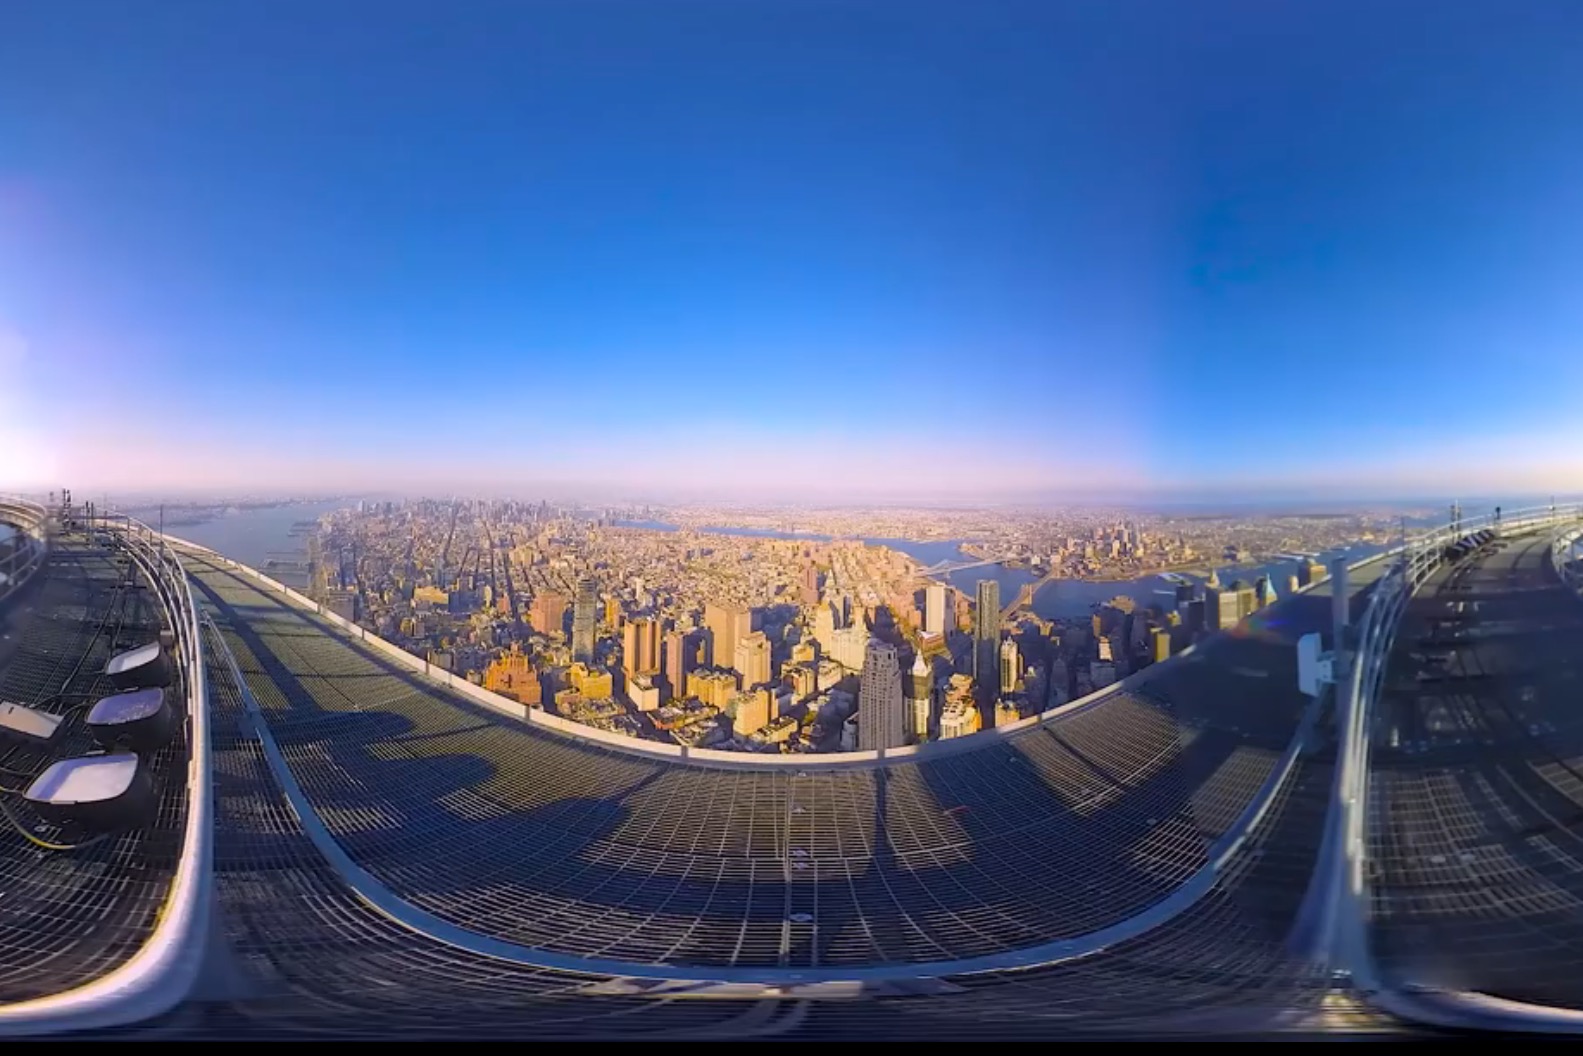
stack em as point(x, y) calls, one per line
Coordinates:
point(794, 247)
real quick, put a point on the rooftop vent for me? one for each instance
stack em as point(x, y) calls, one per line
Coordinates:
point(101, 793)
point(140, 720)
point(140, 668)
point(27, 725)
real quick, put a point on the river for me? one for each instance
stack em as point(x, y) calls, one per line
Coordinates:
point(1059, 599)
point(253, 536)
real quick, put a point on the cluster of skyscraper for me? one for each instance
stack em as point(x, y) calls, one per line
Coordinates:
point(853, 676)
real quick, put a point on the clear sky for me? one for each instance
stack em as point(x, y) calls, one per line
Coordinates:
point(793, 248)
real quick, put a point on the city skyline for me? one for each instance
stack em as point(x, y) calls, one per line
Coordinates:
point(594, 500)
point(831, 253)
point(790, 520)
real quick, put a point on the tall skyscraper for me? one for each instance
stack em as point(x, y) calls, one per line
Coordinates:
point(547, 614)
point(1009, 663)
point(753, 659)
point(986, 636)
point(584, 613)
point(1247, 600)
point(934, 609)
point(1220, 608)
point(920, 700)
point(879, 701)
point(676, 660)
point(641, 645)
point(753, 710)
point(726, 624)
point(649, 645)
point(848, 647)
point(1162, 643)
point(1060, 684)
point(824, 625)
point(629, 648)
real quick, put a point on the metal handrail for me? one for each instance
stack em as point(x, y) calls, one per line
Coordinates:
point(808, 761)
point(1563, 557)
point(370, 889)
point(1349, 953)
point(1186, 895)
point(162, 973)
point(1426, 549)
point(26, 554)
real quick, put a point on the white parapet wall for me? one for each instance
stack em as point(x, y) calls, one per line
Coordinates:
point(703, 756)
point(734, 982)
point(1188, 894)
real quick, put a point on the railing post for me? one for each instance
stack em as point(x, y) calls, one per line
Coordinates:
point(1340, 604)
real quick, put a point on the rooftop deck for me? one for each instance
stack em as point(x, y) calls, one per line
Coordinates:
point(68, 917)
point(566, 846)
point(305, 957)
point(1476, 825)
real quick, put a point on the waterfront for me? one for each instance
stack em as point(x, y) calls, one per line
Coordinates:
point(254, 536)
point(1074, 598)
point(1058, 599)
point(928, 553)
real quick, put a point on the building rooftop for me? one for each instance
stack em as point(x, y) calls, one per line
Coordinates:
point(395, 854)
point(68, 918)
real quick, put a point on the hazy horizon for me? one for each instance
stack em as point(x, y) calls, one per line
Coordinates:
point(593, 499)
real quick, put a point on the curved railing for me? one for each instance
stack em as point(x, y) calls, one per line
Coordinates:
point(711, 756)
point(1184, 897)
point(1427, 550)
point(162, 973)
point(1076, 947)
point(23, 554)
point(1344, 871)
point(1564, 557)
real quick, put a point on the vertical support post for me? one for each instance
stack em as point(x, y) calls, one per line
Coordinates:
point(1341, 605)
point(1325, 924)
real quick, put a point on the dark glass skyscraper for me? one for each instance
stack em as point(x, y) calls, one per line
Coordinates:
point(986, 636)
point(583, 619)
